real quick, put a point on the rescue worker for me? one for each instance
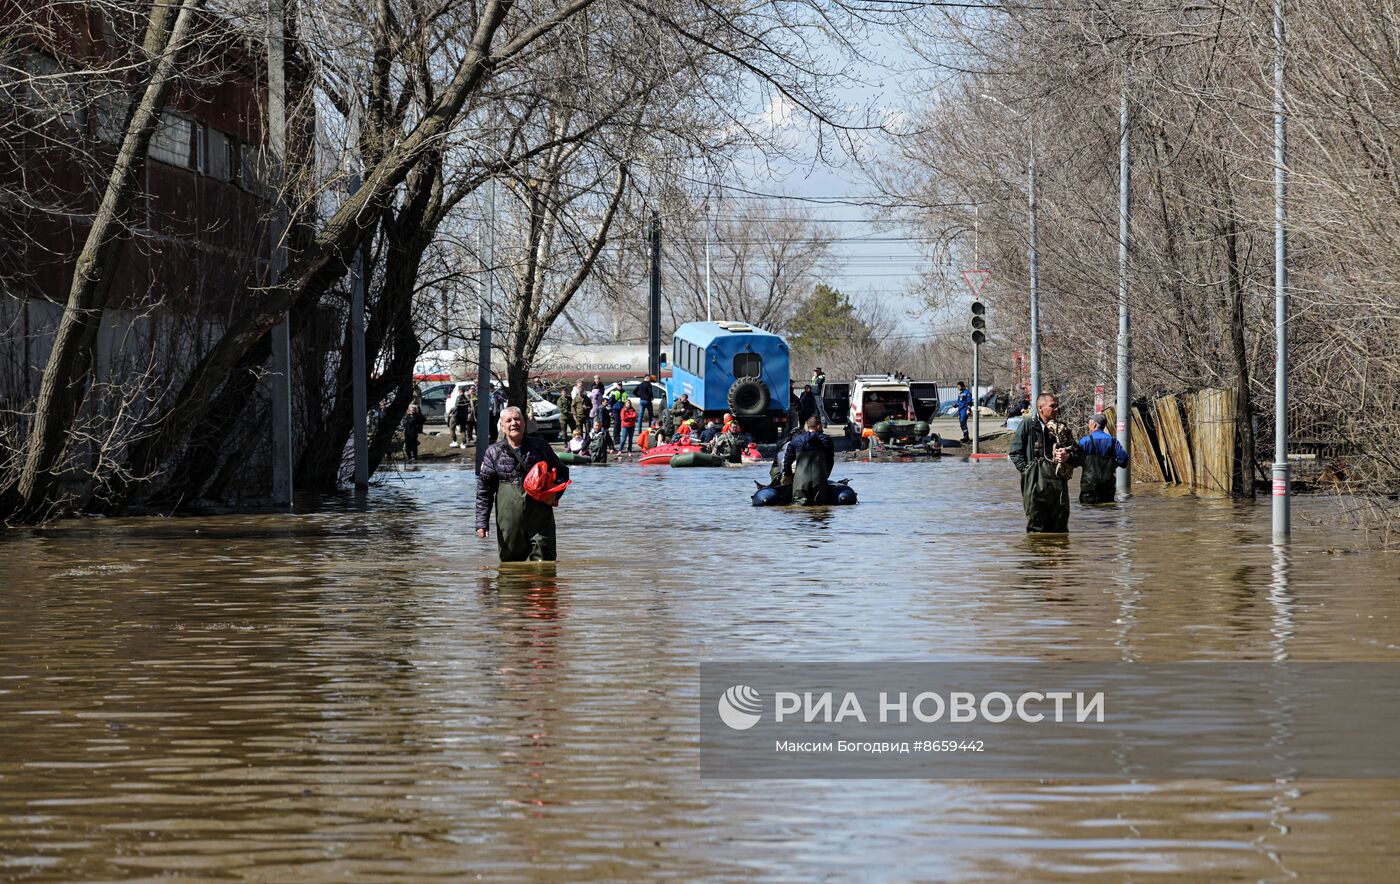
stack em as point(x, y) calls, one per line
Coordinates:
point(524, 526)
point(818, 389)
point(601, 443)
point(1102, 455)
point(729, 444)
point(566, 412)
point(1044, 494)
point(581, 406)
point(683, 410)
point(617, 397)
point(964, 404)
point(810, 459)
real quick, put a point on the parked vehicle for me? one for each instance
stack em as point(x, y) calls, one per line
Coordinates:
point(734, 367)
point(836, 396)
point(876, 398)
point(926, 395)
point(543, 419)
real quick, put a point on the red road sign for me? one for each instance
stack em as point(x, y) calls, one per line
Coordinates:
point(976, 280)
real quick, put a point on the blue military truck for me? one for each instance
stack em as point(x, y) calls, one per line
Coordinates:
point(733, 367)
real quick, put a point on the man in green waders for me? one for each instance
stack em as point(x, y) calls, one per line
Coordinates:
point(1045, 462)
point(524, 526)
point(810, 459)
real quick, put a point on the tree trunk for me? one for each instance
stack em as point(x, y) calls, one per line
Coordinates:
point(1244, 409)
point(326, 258)
point(67, 373)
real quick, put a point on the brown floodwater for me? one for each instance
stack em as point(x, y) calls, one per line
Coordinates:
point(364, 692)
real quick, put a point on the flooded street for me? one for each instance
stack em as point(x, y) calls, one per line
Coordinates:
point(366, 693)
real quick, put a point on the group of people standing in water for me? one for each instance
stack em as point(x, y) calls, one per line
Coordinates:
point(1044, 451)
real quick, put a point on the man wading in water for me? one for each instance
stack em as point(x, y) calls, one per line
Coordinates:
point(524, 526)
point(1046, 453)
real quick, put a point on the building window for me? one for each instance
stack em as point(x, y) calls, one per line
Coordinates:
point(111, 110)
point(201, 147)
point(53, 94)
point(232, 163)
point(172, 141)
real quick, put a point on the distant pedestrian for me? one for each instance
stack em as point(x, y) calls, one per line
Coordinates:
point(597, 402)
point(1103, 457)
point(645, 392)
point(1039, 452)
point(413, 421)
point(964, 405)
point(524, 525)
point(819, 389)
point(462, 419)
point(629, 427)
point(807, 405)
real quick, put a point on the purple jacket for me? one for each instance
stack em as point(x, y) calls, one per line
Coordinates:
point(499, 465)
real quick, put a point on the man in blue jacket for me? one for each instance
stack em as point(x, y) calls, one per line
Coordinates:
point(1102, 456)
point(964, 404)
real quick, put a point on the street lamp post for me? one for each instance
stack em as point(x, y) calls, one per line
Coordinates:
point(1281, 516)
point(1031, 200)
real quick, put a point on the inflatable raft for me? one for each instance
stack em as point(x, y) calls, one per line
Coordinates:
point(662, 454)
point(697, 459)
point(837, 493)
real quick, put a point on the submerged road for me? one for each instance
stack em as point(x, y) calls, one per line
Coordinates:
point(365, 692)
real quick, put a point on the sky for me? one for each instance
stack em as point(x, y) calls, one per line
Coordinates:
point(874, 258)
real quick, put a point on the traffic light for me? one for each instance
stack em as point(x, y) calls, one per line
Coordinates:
point(979, 322)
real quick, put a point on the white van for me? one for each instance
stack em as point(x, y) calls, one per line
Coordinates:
point(879, 397)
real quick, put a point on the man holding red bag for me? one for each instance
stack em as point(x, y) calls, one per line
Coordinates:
point(524, 510)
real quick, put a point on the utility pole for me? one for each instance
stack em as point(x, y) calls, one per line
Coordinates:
point(654, 308)
point(1031, 201)
point(709, 316)
point(1281, 515)
point(1125, 207)
point(1035, 275)
point(359, 371)
point(979, 337)
point(483, 334)
point(976, 408)
point(281, 375)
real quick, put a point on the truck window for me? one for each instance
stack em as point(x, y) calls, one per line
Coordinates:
point(748, 365)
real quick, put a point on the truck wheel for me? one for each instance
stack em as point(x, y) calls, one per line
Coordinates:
point(748, 397)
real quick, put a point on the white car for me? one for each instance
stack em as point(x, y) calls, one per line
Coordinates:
point(879, 397)
point(543, 419)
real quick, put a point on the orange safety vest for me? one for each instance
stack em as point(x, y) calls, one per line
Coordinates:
point(644, 440)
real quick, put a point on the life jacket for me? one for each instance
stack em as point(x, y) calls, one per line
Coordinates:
point(542, 484)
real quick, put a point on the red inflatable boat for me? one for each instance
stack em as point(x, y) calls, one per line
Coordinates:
point(662, 454)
